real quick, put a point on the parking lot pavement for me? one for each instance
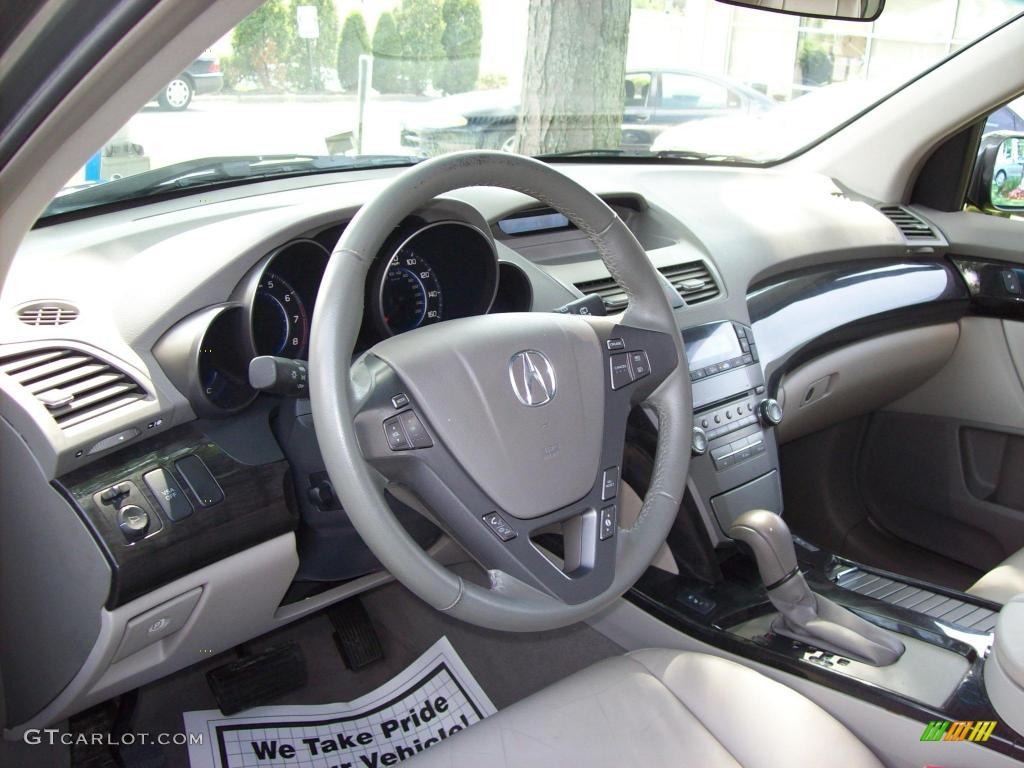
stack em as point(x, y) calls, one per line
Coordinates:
point(239, 125)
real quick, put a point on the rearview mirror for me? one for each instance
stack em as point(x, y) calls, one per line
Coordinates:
point(998, 179)
point(844, 10)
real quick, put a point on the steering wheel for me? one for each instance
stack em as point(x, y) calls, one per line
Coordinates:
point(514, 423)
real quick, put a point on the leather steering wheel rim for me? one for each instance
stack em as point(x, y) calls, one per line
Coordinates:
point(337, 389)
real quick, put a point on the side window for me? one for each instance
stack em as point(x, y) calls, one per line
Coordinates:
point(638, 89)
point(680, 91)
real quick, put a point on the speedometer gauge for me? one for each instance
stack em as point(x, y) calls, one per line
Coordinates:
point(280, 323)
point(410, 295)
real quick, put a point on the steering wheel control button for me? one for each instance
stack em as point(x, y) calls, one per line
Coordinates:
point(133, 522)
point(609, 522)
point(620, 370)
point(400, 400)
point(414, 430)
point(498, 525)
point(615, 344)
point(397, 439)
point(610, 484)
point(639, 364)
point(199, 480)
point(168, 494)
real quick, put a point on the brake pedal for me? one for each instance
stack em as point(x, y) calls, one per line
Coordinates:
point(354, 634)
point(258, 679)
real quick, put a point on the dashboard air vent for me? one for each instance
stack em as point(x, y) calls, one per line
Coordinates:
point(73, 385)
point(913, 228)
point(47, 313)
point(692, 280)
point(611, 294)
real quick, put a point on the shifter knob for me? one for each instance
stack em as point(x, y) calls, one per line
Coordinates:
point(768, 536)
point(803, 615)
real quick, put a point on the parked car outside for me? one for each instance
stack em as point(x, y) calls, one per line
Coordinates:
point(202, 76)
point(655, 99)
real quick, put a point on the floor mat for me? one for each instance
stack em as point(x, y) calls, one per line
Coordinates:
point(509, 666)
point(433, 698)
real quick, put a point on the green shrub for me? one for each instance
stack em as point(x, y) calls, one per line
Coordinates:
point(490, 81)
point(463, 30)
point(261, 44)
point(355, 41)
point(387, 54)
point(420, 27)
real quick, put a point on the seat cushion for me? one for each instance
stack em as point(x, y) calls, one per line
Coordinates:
point(656, 708)
point(1002, 582)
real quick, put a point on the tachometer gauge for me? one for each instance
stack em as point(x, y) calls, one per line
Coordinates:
point(280, 323)
point(410, 295)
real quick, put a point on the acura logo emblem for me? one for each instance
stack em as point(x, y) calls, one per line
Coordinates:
point(533, 378)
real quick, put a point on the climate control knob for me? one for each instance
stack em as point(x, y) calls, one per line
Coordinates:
point(769, 412)
point(699, 442)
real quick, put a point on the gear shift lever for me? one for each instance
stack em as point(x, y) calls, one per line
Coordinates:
point(803, 615)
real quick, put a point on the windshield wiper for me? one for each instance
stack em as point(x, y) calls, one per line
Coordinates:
point(214, 171)
point(665, 154)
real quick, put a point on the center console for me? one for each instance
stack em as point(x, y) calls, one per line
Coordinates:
point(735, 463)
point(949, 660)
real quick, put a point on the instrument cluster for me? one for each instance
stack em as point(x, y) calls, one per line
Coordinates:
point(427, 272)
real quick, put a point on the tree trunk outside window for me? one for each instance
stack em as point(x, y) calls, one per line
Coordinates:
point(574, 76)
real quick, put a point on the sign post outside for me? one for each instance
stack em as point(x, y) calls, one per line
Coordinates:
point(309, 30)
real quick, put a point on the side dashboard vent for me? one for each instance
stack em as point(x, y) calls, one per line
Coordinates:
point(73, 385)
point(692, 280)
point(611, 294)
point(914, 229)
point(48, 313)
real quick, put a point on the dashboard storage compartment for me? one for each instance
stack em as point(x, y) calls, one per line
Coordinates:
point(763, 493)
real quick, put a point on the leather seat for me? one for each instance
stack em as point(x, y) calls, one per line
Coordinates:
point(657, 708)
point(1003, 582)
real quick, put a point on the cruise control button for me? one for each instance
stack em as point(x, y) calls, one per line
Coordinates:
point(608, 522)
point(615, 344)
point(610, 484)
point(168, 494)
point(400, 400)
point(414, 430)
point(397, 440)
point(497, 524)
point(639, 364)
point(621, 373)
point(133, 522)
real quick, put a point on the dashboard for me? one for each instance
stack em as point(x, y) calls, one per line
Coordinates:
point(169, 480)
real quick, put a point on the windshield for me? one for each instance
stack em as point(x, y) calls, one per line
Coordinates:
point(321, 86)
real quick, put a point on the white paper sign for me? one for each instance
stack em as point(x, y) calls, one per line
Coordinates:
point(308, 23)
point(432, 699)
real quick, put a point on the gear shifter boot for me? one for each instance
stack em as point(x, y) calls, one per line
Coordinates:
point(804, 615)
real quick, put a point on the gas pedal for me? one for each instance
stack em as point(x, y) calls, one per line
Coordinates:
point(354, 634)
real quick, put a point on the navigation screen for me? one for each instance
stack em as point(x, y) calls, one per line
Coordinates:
point(708, 344)
point(524, 225)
